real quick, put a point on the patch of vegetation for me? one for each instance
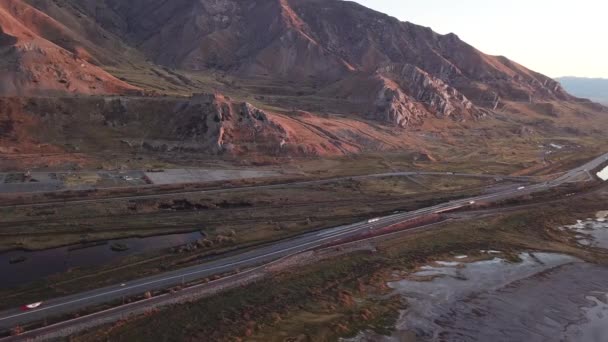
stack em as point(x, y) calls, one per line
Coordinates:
point(256, 215)
point(327, 288)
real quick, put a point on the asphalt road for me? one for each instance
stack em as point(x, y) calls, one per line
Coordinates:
point(265, 254)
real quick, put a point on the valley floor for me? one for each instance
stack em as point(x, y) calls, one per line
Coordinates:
point(346, 295)
point(351, 300)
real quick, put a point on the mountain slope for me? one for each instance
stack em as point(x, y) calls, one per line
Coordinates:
point(289, 78)
point(369, 40)
point(319, 43)
point(31, 64)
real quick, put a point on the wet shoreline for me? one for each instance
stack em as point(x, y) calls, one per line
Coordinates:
point(559, 298)
point(542, 297)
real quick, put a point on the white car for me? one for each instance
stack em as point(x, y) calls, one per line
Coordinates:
point(521, 188)
point(31, 306)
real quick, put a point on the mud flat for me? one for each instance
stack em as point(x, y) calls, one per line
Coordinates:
point(545, 297)
point(592, 232)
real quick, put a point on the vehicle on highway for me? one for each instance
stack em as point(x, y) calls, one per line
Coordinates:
point(31, 306)
point(472, 202)
point(373, 220)
point(521, 188)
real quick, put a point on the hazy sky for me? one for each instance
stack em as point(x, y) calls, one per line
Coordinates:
point(555, 37)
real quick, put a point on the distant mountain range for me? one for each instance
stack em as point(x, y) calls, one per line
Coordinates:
point(595, 89)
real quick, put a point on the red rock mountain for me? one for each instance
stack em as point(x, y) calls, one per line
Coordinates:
point(298, 60)
point(304, 39)
point(412, 71)
point(297, 40)
point(32, 64)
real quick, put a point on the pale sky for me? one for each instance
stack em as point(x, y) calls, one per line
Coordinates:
point(554, 37)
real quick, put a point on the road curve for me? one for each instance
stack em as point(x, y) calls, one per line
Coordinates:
point(264, 254)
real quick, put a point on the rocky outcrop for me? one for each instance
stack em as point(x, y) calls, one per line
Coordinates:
point(405, 96)
point(393, 106)
point(209, 123)
point(223, 125)
point(205, 124)
point(437, 96)
point(409, 94)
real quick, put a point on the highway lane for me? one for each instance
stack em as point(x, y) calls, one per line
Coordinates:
point(259, 187)
point(263, 254)
point(252, 258)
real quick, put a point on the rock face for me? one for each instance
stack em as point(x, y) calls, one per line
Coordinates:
point(395, 107)
point(436, 95)
point(210, 123)
point(224, 125)
point(409, 94)
point(205, 123)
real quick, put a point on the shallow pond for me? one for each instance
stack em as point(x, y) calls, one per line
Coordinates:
point(592, 232)
point(41, 264)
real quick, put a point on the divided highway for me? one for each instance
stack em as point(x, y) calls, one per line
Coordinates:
point(266, 254)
